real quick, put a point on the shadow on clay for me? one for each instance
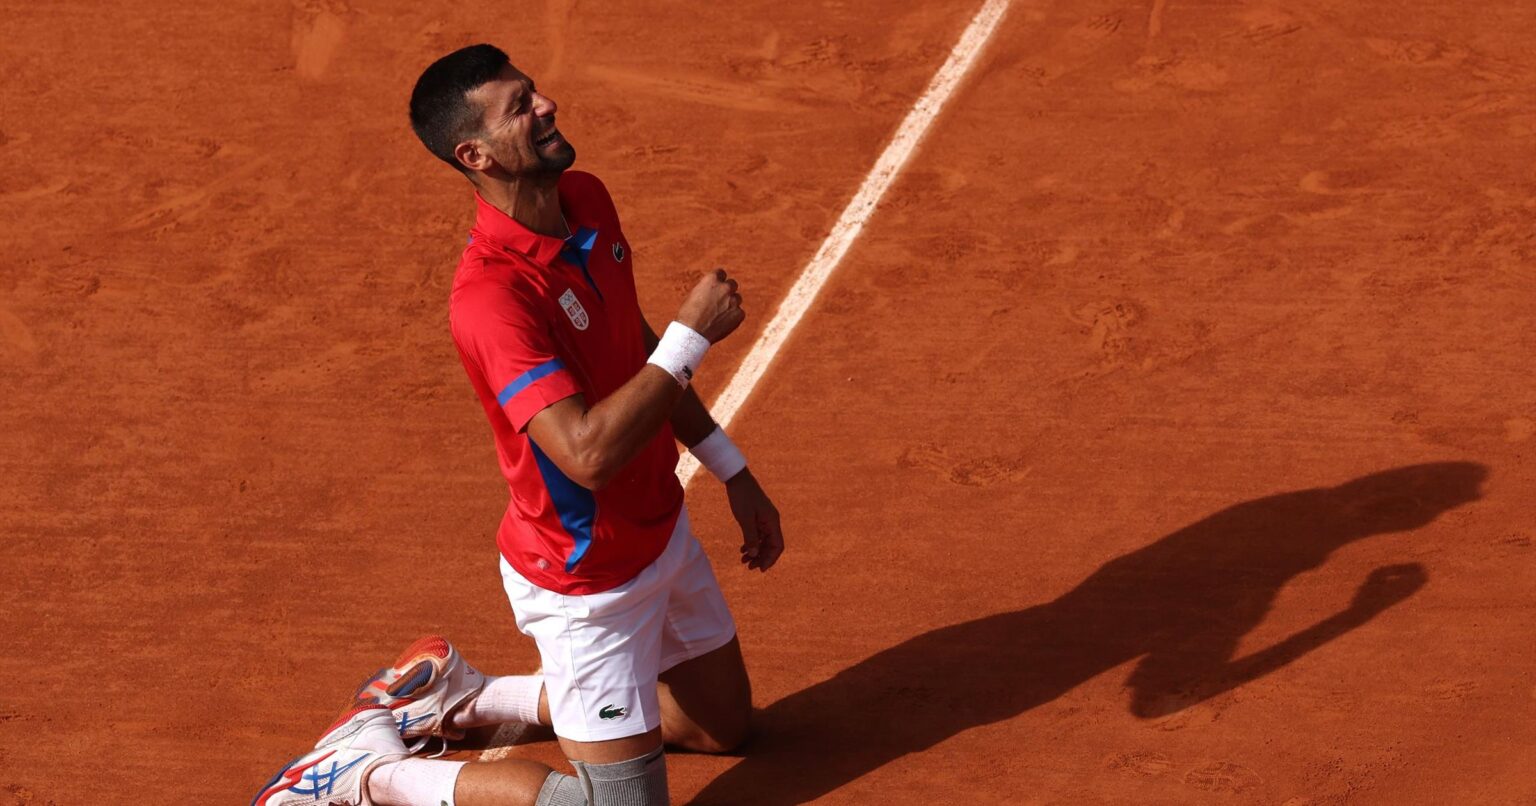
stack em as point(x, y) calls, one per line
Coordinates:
point(1181, 605)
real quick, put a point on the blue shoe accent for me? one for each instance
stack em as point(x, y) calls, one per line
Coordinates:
point(406, 721)
point(323, 781)
point(415, 679)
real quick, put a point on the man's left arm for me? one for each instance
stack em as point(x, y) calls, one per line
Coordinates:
point(762, 538)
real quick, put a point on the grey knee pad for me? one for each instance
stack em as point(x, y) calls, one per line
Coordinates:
point(637, 782)
point(561, 790)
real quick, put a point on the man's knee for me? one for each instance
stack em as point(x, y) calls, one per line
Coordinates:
point(707, 702)
point(724, 735)
point(637, 782)
point(561, 790)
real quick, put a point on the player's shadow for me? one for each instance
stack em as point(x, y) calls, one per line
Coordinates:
point(1181, 605)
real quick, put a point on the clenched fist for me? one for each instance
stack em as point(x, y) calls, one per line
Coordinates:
point(713, 307)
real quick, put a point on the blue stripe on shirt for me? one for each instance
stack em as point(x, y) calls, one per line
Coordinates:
point(526, 379)
point(575, 505)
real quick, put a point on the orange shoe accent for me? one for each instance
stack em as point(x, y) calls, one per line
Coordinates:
point(434, 645)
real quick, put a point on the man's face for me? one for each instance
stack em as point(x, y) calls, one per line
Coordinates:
point(518, 123)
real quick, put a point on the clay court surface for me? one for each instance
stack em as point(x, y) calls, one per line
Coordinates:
point(1167, 436)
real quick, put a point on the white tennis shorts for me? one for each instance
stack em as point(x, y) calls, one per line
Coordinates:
point(602, 652)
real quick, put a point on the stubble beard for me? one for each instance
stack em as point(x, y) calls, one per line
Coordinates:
point(558, 162)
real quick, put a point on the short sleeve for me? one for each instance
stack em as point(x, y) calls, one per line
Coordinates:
point(513, 349)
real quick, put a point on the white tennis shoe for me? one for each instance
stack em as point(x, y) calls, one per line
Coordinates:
point(425, 685)
point(334, 772)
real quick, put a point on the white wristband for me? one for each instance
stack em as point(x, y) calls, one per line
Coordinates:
point(680, 352)
point(719, 455)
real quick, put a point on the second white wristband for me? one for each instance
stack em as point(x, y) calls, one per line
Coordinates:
point(679, 352)
point(719, 455)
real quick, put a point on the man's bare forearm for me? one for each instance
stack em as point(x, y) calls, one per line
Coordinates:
point(691, 421)
point(620, 425)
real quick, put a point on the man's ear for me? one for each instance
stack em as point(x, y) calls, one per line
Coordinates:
point(472, 155)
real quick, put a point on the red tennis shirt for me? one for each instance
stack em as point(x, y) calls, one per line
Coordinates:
point(536, 320)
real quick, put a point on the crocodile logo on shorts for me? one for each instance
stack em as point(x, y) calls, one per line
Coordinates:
point(612, 712)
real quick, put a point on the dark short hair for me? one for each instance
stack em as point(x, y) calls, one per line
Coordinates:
point(440, 113)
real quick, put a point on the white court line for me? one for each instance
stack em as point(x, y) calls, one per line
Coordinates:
point(852, 221)
point(831, 253)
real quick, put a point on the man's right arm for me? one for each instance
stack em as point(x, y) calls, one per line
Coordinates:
point(591, 445)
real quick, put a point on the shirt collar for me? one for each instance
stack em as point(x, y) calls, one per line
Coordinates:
point(506, 231)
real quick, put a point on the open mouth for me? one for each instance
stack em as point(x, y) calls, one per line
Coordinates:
point(554, 135)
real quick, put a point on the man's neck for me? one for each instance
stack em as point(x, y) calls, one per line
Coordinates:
point(533, 202)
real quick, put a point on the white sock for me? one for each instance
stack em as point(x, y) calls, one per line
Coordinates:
point(414, 782)
point(514, 698)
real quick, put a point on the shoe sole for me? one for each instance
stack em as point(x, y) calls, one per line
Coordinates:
point(419, 672)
